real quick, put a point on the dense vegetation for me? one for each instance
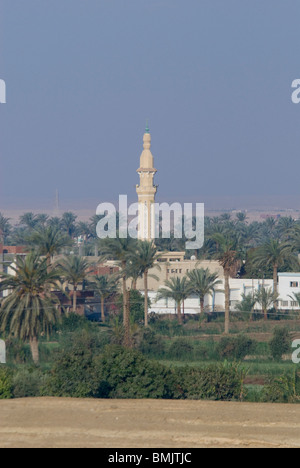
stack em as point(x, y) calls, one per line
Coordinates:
point(133, 355)
point(166, 360)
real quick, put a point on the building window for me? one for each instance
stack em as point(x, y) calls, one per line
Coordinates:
point(294, 284)
point(284, 303)
point(294, 304)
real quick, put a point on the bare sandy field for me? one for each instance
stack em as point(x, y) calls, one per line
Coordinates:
point(69, 423)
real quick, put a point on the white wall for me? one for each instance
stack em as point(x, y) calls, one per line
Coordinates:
point(212, 303)
point(288, 283)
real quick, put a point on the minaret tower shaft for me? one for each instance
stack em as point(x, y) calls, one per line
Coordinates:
point(146, 191)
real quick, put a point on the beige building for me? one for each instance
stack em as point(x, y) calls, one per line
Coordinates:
point(171, 265)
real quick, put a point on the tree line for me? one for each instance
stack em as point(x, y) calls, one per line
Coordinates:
point(31, 308)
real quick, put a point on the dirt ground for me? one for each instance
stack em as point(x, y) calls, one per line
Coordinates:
point(71, 423)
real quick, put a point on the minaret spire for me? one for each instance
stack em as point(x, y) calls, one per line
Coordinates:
point(146, 191)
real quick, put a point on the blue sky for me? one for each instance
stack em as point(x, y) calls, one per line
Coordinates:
point(212, 77)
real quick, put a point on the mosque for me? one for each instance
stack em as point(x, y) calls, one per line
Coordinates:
point(175, 264)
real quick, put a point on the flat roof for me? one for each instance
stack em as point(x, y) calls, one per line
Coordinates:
point(289, 274)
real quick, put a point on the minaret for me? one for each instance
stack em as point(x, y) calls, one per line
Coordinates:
point(146, 191)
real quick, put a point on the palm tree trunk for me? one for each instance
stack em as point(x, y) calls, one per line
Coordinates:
point(275, 282)
point(124, 299)
point(201, 305)
point(74, 298)
point(34, 346)
point(127, 338)
point(102, 310)
point(126, 315)
point(179, 313)
point(201, 311)
point(227, 302)
point(146, 298)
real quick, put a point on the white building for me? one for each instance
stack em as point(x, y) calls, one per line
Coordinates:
point(288, 283)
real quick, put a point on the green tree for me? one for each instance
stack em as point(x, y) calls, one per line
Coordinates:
point(275, 254)
point(30, 308)
point(296, 298)
point(228, 255)
point(202, 283)
point(5, 228)
point(121, 251)
point(143, 259)
point(74, 270)
point(68, 223)
point(246, 305)
point(266, 298)
point(29, 220)
point(177, 289)
point(48, 241)
point(106, 286)
point(280, 343)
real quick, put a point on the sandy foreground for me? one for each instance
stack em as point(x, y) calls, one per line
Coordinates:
point(71, 423)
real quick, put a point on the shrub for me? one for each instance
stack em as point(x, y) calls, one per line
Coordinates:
point(151, 343)
point(181, 349)
point(280, 390)
point(215, 382)
point(136, 304)
point(74, 373)
point(235, 347)
point(93, 340)
point(5, 383)
point(167, 326)
point(73, 322)
point(17, 351)
point(27, 382)
point(129, 374)
point(280, 343)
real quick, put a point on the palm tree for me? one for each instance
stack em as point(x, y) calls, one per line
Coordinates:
point(275, 254)
point(293, 242)
point(295, 298)
point(266, 298)
point(30, 308)
point(246, 305)
point(54, 222)
point(74, 270)
point(285, 225)
point(202, 283)
point(48, 241)
point(121, 251)
point(5, 228)
point(84, 229)
point(68, 223)
point(228, 257)
point(141, 261)
point(29, 220)
point(105, 286)
point(241, 217)
point(41, 219)
point(177, 289)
